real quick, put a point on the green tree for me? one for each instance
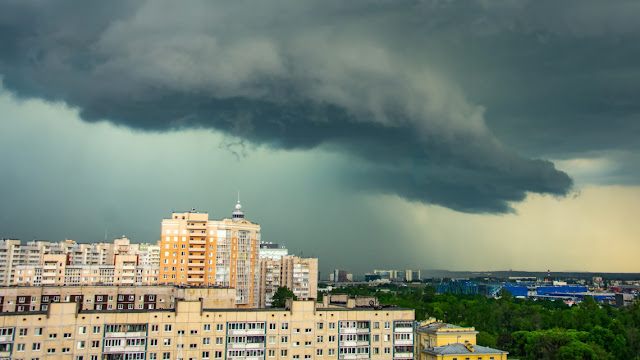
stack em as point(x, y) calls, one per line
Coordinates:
point(281, 296)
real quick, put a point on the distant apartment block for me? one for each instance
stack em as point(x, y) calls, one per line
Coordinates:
point(57, 270)
point(340, 275)
point(19, 259)
point(298, 274)
point(196, 251)
point(398, 275)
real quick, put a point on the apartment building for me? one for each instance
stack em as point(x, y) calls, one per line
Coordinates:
point(39, 298)
point(436, 340)
point(196, 251)
point(304, 330)
point(298, 274)
point(272, 251)
point(57, 270)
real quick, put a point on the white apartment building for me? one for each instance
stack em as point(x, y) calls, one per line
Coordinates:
point(298, 274)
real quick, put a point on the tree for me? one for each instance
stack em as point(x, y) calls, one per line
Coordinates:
point(281, 296)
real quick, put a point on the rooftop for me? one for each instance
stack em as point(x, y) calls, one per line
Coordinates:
point(462, 349)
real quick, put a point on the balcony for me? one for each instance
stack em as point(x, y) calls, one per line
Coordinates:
point(403, 342)
point(196, 264)
point(196, 257)
point(196, 280)
point(197, 241)
point(5, 354)
point(349, 330)
point(6, 339)
point(139, 334)
point(49, 267)
point(348, 343)
point(129, 267)
point(198, 249)
point(242, 346)
point(363, 330)
point(407, 355)
point(119, 349)
point(403, 330)
point(48, 281)
point(350, 356)
point(128, 281)
point(247, 332)
point(196, 271)
point(197, 226)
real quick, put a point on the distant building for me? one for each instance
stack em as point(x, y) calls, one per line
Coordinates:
point(340, 275)
point(298, 274)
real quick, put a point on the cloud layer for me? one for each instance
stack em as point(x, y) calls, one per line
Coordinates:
point(413, 92)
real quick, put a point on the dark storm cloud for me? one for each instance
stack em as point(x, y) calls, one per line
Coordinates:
point(413, 91)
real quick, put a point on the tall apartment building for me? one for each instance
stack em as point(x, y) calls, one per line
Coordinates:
point(196, 251)
point(304, 330)
point(298, 274)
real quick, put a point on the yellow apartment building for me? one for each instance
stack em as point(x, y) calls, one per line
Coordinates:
point(300, 275)
point(437, 340)
point(303, 330)
point(196, 251)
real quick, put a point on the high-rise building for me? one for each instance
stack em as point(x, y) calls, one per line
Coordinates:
point(196, 251)
point(272, 251)
point(298, 274)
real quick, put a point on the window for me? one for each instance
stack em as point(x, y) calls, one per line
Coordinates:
point(283, 353)
point(332, 325)
point(207, 327)
point(332, 338)
point(307, 330)
point(20, 347)
point(272, 340)
point(387, 325)
point(285, 326)
point(194, 332)
point(206, 341)
point(66, 335)
point(296, 356)
point(205, 354)
point(219, 340)
point(319, 352)
point(51, 351)
point(82, 330)
point(35, 347)
point(96, 344)
point(81, 344)
point(296, 330)
point(307, 343)
point(296, 343)
point(96, 329)
point(376, 351)
point(167, 342)
point(320, 326)
point(387, 337)
point(37, 332)
point(153, 356)
point(218, 354)
point(193, 346)
point(66, 350)
point(284, 339)
point(219, 327)
point(167, 328)
point(319, 339)
point(180, 332)
point(166, 356)
point(53, 336)
point(376, 325)
point(331, 352)
point(387, 350)
point(271, 353)
point(272, 326)
point(154, 328)
point(153, 342)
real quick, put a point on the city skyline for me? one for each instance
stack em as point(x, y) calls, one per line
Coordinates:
point(458, 136)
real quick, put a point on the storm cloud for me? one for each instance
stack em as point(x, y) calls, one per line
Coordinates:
point(447, 103)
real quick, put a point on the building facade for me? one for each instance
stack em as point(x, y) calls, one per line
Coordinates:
point(196, 251)
point(304, 330)
point(436, 340)
point(298, 274)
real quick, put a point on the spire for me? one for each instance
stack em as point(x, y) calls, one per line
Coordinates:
point(238, 213)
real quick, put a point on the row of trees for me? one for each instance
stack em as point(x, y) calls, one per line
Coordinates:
point(528, 329)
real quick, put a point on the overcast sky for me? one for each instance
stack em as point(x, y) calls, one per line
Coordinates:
point(459, 135)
